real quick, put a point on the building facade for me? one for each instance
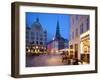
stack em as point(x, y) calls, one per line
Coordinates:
point(36, 38)
point(79, 37)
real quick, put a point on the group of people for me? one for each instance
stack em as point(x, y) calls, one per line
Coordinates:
point(66, 59)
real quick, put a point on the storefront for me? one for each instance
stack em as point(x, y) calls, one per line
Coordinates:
point(85, 47)
point(36, 49)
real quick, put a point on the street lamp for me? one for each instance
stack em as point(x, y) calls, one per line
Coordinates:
point(36, 46)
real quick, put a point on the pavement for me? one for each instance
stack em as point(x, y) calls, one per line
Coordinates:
point(44, 60)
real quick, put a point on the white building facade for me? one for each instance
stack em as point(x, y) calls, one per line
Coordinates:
point(36, 37)
point(79, 37)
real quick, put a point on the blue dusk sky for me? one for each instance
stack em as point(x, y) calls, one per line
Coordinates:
point(49, 23)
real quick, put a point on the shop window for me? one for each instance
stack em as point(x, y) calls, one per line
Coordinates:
point(71, 46)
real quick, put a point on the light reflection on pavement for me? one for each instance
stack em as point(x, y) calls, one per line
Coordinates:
point(44, 60)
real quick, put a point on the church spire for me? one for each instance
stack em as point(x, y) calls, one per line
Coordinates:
point(57, 31)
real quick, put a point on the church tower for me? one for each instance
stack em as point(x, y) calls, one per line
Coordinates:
point(57, 36)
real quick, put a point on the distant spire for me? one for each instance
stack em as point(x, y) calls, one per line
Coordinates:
point(57, 31)
point(37, 19)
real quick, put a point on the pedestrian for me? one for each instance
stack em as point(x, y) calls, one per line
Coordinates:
point(75, 62)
